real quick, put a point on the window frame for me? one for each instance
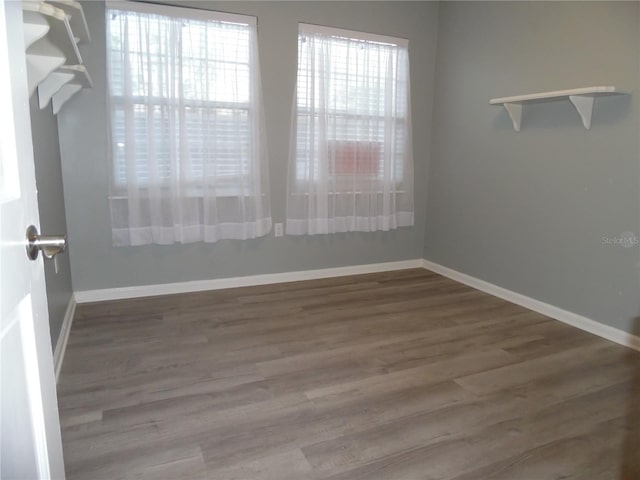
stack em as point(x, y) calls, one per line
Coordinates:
point(232, 185)
point(181, 12)
point(306, 111)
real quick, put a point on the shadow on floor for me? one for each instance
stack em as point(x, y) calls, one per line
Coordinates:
point(631, 451)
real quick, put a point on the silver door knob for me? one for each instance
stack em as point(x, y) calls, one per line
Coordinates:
point(50, 246)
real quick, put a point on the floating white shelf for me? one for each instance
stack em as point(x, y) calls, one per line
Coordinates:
point(54, 65)
point(581, 98)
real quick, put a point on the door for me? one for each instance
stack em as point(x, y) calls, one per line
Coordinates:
point(30, 441)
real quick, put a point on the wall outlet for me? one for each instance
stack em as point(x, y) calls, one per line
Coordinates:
point(278, 230)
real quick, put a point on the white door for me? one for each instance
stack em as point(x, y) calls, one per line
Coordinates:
point(30, 442)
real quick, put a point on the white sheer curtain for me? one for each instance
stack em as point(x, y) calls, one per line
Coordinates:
point(351, 162)
point(188, 155)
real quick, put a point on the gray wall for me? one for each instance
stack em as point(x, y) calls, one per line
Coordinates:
point(528, 211)
point(96, 264)
point(46, 151)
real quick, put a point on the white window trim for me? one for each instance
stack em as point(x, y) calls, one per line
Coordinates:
point(181, 12)
point(352, 34)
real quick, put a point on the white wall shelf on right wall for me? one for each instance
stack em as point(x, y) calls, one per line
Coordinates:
point(581, 98)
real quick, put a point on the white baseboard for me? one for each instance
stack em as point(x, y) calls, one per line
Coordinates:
point(217, 284)
point(63, 338)
point(605, 331)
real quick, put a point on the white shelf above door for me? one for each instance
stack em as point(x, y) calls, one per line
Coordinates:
point(581, 98)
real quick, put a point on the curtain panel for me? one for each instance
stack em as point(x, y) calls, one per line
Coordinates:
point(351, 161)
point(187, 149)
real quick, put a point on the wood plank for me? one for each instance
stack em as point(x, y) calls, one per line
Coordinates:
point(396, 375)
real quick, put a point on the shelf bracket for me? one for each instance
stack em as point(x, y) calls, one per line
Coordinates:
point(40, 66)
point(52, 85)
point(584, 106)
point(35, 27)
point(61, 97)
point(515, 112)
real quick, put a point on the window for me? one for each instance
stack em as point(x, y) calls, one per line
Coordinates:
point(351, 164)
point(187, 152)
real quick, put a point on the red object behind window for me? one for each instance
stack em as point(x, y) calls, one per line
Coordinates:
point(352, 157)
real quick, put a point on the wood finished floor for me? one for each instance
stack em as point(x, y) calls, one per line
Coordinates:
point(400, 375)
